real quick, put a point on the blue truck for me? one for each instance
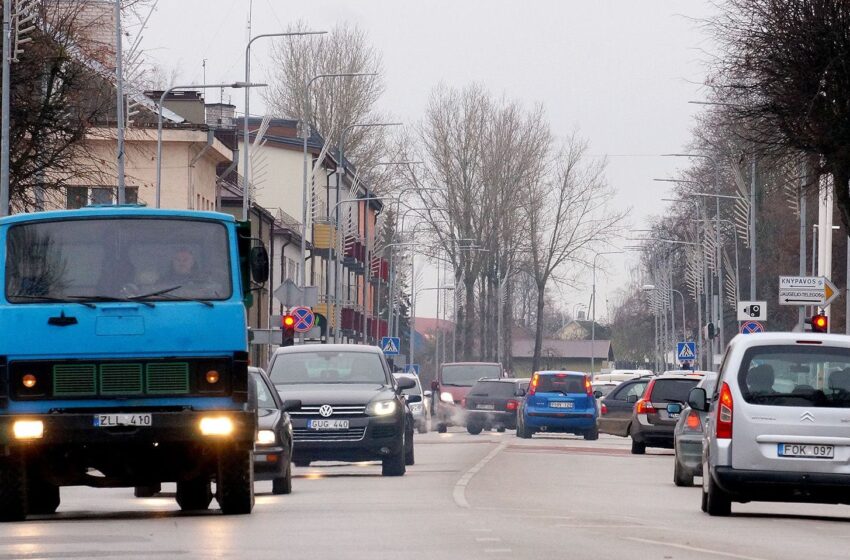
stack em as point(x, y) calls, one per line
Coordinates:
point(124, 356)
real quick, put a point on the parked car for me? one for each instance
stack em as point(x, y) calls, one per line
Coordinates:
point(493, 403)
point(558, 401)
point(616, 409)
point(656, 413)
point(352, 407)
point(779, 417)
point(687, 439)
point(420, 410)
point(602, 389)
point(453, 382)
point(273, 446)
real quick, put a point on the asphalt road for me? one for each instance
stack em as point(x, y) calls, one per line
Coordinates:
point(488, 496)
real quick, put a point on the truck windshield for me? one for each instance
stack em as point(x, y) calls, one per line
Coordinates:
point(466, 375)
point(117, 258)
point(328, 367)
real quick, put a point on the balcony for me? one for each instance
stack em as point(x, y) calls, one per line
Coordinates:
point(377, 328)
point(380, 270)
point(324, 238)
point(354, 254)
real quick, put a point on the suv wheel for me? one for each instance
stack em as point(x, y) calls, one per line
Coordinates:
point(717, 502)
point(680, 476)
point(409, 458)
point(638, 447)
point(393, 465)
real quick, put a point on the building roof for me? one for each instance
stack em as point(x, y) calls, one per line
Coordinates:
point(429, 325)
point(563, 348)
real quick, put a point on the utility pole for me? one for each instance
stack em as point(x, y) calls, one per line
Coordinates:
point(4, 137)
point(119, 87)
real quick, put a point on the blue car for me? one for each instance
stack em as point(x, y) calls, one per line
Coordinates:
point(559, 401)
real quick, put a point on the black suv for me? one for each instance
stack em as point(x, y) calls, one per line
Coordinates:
point(494, 403)
point(352, 409)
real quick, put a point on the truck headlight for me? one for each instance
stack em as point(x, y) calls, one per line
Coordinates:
point(447, 397)
point(381, 408)
point(28, 429)
point(216, 426)
point(266, 437)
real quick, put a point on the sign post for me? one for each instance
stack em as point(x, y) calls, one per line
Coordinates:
point(305, 320)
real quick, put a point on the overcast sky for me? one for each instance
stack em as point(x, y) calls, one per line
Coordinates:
point(619, 71)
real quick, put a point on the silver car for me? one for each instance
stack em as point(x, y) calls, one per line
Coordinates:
point(687, 438)
point(421, 410)
point(778, 423)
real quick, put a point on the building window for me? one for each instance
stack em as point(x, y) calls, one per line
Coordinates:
point(78, 197)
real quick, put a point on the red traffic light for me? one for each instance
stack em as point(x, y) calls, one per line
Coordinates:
point(819, 323)
point(288, 321)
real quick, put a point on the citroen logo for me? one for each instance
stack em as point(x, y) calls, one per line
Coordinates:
point(807, 416)
point(326, 410)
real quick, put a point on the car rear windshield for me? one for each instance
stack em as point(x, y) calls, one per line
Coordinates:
point(604, 388)
point(673, 390)
point(493, 389)
point(815, 376)
point(466, 375)
point(328, 367)
point(561, 384)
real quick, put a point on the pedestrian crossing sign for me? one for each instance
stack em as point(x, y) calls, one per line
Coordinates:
point(686, 351)
point(390, 345)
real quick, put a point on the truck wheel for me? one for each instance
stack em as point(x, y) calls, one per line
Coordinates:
point(194, 495)
point(13, 488)
point(235, 482)
point(42, 497)
point(283, 485)
point(147, 491)
point(592, 434)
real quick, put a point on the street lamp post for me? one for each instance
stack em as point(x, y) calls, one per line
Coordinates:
point(246, 173)
point(593, 310)
point(235, 85)
point(437, 322)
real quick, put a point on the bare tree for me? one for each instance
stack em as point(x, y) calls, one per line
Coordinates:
point(567, 217)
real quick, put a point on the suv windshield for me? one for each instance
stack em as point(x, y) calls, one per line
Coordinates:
point(328, 367)
point(673, 390)
point(466, 375)
point(561, 383)
point(493, 389)
point(795, 376)
point(119, 258)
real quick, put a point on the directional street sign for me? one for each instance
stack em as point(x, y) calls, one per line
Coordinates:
point(752, 310)
point(686, 351)
point(289, 294)
point(806, 290)
point(390, 345)
point(412, 368)
point(750, 327)
point(304, 319)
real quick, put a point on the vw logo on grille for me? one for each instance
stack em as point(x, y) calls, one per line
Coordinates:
point(807, 416)
point(326, 410)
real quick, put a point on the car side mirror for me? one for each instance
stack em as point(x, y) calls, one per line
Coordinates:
point(674, 408)
point(405, 383)
point(428, 393)
point(258, 260)
point(414, 398)
point(290, 405)
point(698, 400)
point(632, 399)
point(597, 394)
point(521, 393)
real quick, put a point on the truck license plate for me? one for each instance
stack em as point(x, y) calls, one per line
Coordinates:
point(327, 424)
point(110, 420)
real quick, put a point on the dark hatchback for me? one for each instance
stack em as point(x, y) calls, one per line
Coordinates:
point(656, 413)
point(352, 409)
point(493, 403)
point(273, 447)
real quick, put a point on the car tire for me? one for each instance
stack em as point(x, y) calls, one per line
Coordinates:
point(42, 497)
point(522, 431)
point(147, 491)
point(409, 457)
point(442, 428)
point(717, 502)
point(194, 495)
point(592, 434)
point(501, 429)
point(236, 482)
point(638, 447)
point(474, 429)
point(394, 465)
point(680, 476)
point(13, 488)
point(283, 485)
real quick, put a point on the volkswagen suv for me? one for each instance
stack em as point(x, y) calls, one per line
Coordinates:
point(778, 423)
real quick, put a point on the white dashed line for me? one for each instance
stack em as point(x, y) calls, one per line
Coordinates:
point(696, 549)
point(459, 493)
point(488, 539)
point(498, 550)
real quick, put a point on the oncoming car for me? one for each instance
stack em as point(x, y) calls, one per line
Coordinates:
point(273, 447)
point(454, 380)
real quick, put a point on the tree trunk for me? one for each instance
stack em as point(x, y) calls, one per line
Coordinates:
point(507, 327)
point(538, 330)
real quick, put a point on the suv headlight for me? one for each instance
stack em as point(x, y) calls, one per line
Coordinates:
point(447, 397)
point(381, 408)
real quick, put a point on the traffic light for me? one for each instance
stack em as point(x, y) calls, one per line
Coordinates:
point(819, 323)
point(287, 326)
point(709, 331)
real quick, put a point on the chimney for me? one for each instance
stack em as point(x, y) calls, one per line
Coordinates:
point(220, 115)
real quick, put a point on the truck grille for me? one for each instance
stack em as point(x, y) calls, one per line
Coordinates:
point(75, 380)
point(172, 378)
point(121, 379)
point(351, 434)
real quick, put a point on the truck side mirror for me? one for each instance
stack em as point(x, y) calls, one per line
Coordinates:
point(259, 263)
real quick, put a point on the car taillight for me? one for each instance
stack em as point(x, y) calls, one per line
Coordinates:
point(692, 422)
point(644, 406)
point(588, 387)
point(512, 405)
point(724, 413)
point(532, 387)
point(604, 409)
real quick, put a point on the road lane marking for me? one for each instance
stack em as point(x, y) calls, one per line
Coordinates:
point(487, 539)
point(459, 493)
point(696, 549)
point(498, 550)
